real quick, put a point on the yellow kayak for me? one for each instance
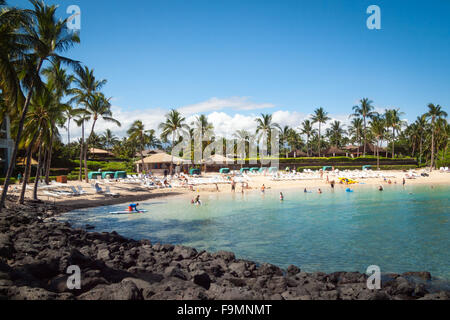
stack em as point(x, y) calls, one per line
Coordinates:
point(349, 181)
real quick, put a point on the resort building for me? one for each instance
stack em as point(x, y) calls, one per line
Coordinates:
point(6, 145)
point(147, 153)
point(100, 153)
point(159, 162)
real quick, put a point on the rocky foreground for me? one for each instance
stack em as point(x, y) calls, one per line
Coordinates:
point(36, 251)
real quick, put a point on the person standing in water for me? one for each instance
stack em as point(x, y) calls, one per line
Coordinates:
point(404, 181)
point(263, 188)
point(281, 196)
point(196, 200)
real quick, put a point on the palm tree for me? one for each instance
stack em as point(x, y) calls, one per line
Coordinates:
point(109, 139)
point(98, 106)
point(284, 134)
point(320, 116)
point(308, 130)
point(80, 118)
point(434, 113)
point(356, 130)
point(203, 131)
point(143, 138)
point(12, 54)
point(59, 82)
point(421, 123)
point(442, 136)
point(45, 37)
point(336, 133)
point(173, 126)
point(40, 124)
point(86, 85)
point(264, 128)
point(364, 110)
point(393, 121)
point(243, 142)
point(378, 129)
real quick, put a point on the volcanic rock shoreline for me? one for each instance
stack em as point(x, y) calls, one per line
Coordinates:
point(36, 250)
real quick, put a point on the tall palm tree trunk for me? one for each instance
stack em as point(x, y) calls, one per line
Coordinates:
point(393, 143)
point(432, 148)
point(420, 150)
point(358, 141)
point(319, 139)
point(44, 161)
point(142, 159)
point(38, 173)
point(68, 130)
point(86, 178)
point(80, 176)
point(364, 147)
point(49, 160)
point(171, 153)
point(27, 172)
point(378, 155)
point(12, 164)
point(307, 146)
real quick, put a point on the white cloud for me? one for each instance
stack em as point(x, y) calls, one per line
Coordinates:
point(225, 124)
point(216, 104)
point(151, 119)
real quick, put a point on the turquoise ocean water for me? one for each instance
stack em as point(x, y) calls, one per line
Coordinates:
point(399, 229)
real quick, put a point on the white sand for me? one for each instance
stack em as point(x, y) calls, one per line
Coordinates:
point(134, 192)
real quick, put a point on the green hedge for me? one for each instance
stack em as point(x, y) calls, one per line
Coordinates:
point(104, 165)
point(382, 167)
point(332, 159)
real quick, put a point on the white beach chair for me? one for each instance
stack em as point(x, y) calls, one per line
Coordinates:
point(108, 192)
point(51, 194)
point(75, 191)
point(81, 191)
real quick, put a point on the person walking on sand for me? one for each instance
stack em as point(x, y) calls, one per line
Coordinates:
point(233, 186)
point(263, 188)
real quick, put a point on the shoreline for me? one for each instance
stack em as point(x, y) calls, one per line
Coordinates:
point(35, 249)
point(133, 193)
point(35, 253)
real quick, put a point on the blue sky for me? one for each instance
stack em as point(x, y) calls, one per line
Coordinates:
point(235, 59)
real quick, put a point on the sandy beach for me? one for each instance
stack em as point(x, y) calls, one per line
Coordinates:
point(127, 192)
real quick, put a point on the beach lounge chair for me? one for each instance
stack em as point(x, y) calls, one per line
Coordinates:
point(108, 192)
point(75, 191)
point(51, 194)
point(97, 189)
point(80, 190)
